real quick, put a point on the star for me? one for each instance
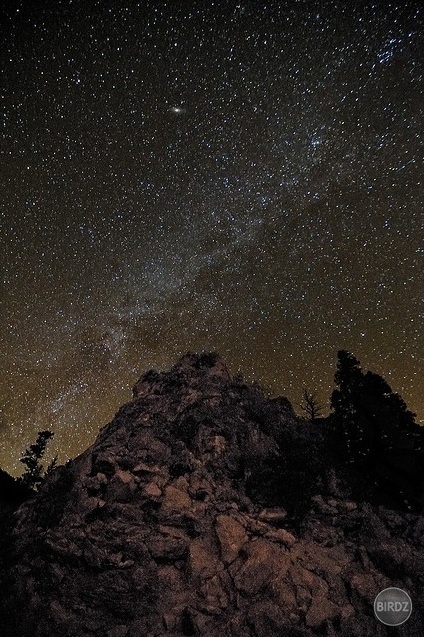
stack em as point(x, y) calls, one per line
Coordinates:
point(210, 177)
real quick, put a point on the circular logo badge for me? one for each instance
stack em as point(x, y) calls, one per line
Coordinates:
point(393, 606)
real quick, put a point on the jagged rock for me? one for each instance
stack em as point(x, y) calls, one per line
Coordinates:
point(121, 487)
point(282, 536)
point(153, 530)
point(321, 610)
point(231, 535)
point(176, 499)
point(347, 506)
point(273, 515)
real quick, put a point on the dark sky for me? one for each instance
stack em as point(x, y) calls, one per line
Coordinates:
point(239, 176)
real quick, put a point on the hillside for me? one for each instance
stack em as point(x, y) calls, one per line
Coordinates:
point(205, 508)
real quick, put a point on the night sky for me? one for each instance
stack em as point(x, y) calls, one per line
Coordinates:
point(237, 176)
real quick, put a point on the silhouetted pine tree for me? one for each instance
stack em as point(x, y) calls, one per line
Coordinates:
point(33, 475)
point(345, 402)
point(388, 414)
point(377, 436)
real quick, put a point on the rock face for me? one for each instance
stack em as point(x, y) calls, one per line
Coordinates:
point(153, 532)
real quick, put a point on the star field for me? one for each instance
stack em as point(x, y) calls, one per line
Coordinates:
point(245, 177)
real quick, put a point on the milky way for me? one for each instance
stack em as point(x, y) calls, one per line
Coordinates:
point(177, 176)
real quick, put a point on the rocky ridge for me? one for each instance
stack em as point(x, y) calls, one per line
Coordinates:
point(153, 531)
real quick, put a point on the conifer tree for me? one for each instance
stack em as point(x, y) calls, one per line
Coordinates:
point(345, 402)
point(33, 475)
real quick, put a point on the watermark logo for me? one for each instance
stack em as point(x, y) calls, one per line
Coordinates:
point(393, 606)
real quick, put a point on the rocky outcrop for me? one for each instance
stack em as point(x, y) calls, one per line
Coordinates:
point(153, 532)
